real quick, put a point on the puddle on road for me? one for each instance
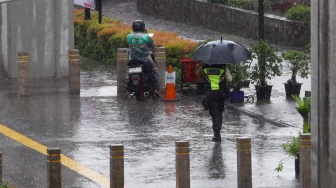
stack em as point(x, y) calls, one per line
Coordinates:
point(104, 91)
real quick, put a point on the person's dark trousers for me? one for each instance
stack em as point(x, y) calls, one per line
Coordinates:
point(216, 107)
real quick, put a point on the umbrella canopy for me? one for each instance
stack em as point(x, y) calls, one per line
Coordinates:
point(221, 52)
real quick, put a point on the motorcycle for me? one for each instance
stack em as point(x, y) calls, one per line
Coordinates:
point(139, 78)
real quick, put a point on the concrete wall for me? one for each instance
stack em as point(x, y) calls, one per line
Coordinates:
point(234, 21)
point(43, 28)
point(323, 75)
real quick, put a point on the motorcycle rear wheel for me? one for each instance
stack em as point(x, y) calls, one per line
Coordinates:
point(139, 91)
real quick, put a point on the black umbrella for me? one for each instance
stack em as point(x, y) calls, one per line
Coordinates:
point(221, 52)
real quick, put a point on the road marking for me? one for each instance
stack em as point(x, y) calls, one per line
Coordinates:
point(66, 161)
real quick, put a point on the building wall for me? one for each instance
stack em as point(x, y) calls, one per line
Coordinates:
point(43, 28)
point(323, 105)
point(234, 21)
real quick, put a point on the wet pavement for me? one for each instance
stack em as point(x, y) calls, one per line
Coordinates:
point(84, 126)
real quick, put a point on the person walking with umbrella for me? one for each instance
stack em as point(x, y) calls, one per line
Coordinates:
point(218, 77)
point(216, 56)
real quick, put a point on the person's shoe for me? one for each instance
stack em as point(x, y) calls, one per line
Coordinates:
point(217, 136)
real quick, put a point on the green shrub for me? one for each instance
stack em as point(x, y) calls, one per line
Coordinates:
point(298, 13)
point(81, 34)
point(304, 109)
point(292, 147)
point(92, 48)
point(244, 4)
point(269, 63)
point(6, 185)
point(239, 74)
point(101, 41)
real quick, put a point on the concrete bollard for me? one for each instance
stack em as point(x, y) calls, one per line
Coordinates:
point(160, 55)
point(74, 71)
point(182, 165)
point(305, 160)
point(0, 168)
point(54, 167)
point(244, 162)
point(122, 59)
point(23, 74)
point(116, 166)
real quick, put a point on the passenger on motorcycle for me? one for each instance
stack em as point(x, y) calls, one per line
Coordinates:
point(140, 44)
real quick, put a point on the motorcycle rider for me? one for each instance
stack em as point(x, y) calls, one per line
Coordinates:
point(140, 44)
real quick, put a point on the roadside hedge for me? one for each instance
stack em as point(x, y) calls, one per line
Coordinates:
point(299, 12)
point(100, 41)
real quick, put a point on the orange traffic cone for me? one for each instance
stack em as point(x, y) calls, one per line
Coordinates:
point(170, 93)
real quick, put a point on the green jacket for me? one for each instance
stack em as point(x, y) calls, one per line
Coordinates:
point(139, 44)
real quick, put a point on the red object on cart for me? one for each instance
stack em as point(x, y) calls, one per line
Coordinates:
point(190, 70)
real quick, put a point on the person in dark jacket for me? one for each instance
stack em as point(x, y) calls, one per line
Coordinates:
point(218, 76)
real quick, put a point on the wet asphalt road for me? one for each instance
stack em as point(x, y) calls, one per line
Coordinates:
point(84, 126)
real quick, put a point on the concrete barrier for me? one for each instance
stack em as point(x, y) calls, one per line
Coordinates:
point(230, 20)
point(244, 163)
point(74, 71)
point(23, 73)
point(182, 165)
point(116, 166)
point(54, 167)
point(305, 160)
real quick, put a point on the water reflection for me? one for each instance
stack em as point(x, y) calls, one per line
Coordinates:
point(170, 108)
point(141, 115)
point(24, 110)
point(75, 112)
point(216, 166)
